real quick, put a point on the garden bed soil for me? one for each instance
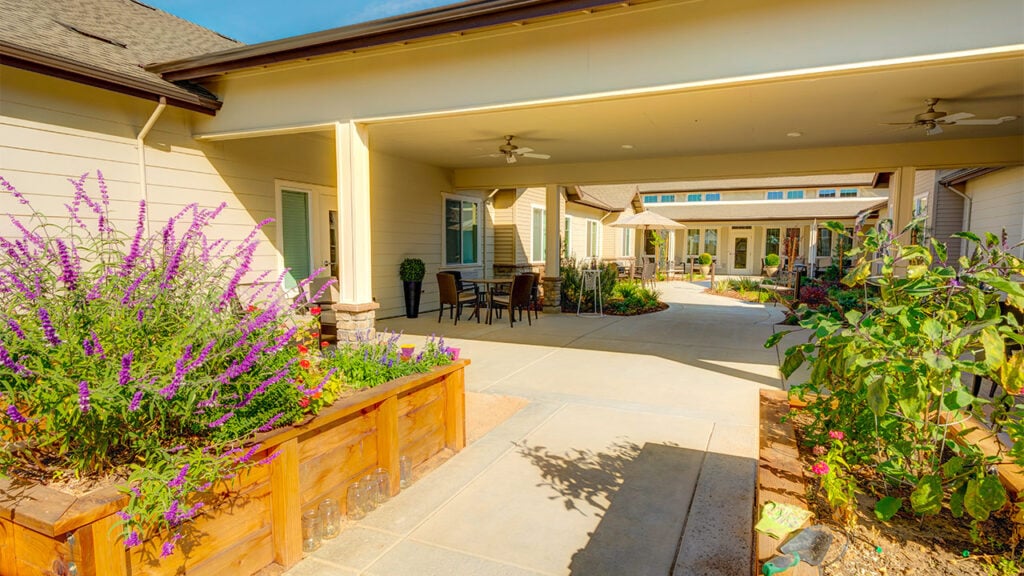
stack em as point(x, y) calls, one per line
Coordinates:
point(908, 544)
point(661, 306)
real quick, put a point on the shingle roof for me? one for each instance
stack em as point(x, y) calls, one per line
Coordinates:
point(106, 43)
point(611, 197)
point(745, 210)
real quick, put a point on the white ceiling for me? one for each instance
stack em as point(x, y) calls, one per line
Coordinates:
point(839, 109)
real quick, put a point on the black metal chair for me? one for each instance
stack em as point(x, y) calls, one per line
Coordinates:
point(449, 295)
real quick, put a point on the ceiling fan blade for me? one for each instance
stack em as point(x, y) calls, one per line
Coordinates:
point(934, 130)
point(955, 118)
point(539, 156)
point(523, 150)
point(898, 123)
point(986, 121)
point(510, 159)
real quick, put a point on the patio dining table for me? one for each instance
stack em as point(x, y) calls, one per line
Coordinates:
point(489, 284)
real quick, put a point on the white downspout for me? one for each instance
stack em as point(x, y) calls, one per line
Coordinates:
point(141, 144)
point(966, 218)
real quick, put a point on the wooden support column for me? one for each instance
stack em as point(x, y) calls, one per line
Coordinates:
point(901, 198)
point(285, 505)
point(100, 547)
point(387, 441)
point(455, 411)
point(553, 258)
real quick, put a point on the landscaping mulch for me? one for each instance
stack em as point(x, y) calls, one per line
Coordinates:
point(661, 306)
point(908, 544)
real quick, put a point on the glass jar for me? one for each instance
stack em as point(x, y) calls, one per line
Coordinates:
point(312, 531)
point(330, 518)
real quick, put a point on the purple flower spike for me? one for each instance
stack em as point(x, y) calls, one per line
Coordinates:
point(270, 423)
point(48, 329)
point(167, 549)
point(69, 270)
point(16, 328)
point(178, 480)
point(133, 540)
point(220, 421)
point(125, 376)
point(136, 400)
point(15, 416)
point(83, 396)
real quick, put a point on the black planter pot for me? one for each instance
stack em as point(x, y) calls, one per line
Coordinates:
point(412, 298)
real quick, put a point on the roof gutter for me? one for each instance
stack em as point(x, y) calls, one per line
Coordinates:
point(42, 63)
point(451, 19)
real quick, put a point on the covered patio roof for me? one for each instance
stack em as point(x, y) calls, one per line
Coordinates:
point(754, 210)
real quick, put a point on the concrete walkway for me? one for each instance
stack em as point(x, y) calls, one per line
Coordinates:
point(635, 457)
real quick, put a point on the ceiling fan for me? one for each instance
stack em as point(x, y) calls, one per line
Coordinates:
point(511, 152)
point(933, 120)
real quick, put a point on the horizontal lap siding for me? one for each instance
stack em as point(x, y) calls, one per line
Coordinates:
point(528, 199)
point(52, 130)
point(998, 203)
point(406, 206)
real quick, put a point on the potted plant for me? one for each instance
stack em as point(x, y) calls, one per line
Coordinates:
point(705, 263)
point(771, 264)
point(411, 271)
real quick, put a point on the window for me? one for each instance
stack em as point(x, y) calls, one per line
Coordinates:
point(846, 242)
point(567, 238)
point(827, 193)
point(539, 235)
point(693, 242)
point(593, 239)
point(711, 241)
point(824, 242)
point(771, 242)
point(295, 236)
point(668, 197)
point(693, 197)
point(794, 194)
point(775, 194)
point(712, 197)
point(461, 231)
point(650, 198)
point(627, 242)
point(848, 193)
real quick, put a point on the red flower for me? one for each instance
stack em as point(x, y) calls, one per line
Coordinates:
point(820, 468)
point(316, 396)
point(315, 310)
point(314, 335)
point(303, 349)
point(251, 308)
point(304, 363)
point(836, 434)
point(324, 344)
point(304, 401)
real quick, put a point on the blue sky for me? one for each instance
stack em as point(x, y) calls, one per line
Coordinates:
point(253, 21)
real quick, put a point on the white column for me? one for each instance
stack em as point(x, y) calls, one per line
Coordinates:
point(812, 250)
point(901, 198)
point(354, 254)
point(553, 208)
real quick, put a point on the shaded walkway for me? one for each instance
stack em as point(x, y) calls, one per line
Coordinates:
point(635, 454)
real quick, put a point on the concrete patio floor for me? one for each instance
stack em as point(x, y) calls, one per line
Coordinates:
point(636, 455)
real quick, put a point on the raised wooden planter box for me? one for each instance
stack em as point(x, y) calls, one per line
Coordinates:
point(258, 521)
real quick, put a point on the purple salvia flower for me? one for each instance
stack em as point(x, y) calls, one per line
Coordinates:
point(30, 294)
point(133, 253)
point(104, 224)
point(255, 231)
point(10, 364)
point(212, 401)
point(243, 268)
point(48, 329)
point(323, 382)
point(125, 376)
point(220, 421)
point(83, 396)
point(283, 340)
point(95, 292)
point(248, 455)
point(269, 425)
point(202, 355)
point(175, 264)
point(123, 515)
point(136, 400)
point(14, 192)
point(171, 515)
point(133, 540)
point(178, 480)
point(15, 415)
point(273, 456)
point(130, 292)
point(135, 491)
point(264, 385)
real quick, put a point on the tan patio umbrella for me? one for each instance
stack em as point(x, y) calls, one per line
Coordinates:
point(648, 220)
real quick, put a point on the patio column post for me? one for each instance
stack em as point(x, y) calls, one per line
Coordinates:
point(901, 203)
point(552, 263)
point(355, 309)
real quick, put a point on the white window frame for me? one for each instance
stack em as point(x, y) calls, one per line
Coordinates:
point(768, 193)
point(543, 234)
point(567, 236)
point(479, 231)
point(650, 198)
point(627, 242)
point(782, 236)
point(313, 193)
point(597, 237)
point(803, 194)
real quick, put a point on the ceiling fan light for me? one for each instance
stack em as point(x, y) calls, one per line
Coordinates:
point(510, 158)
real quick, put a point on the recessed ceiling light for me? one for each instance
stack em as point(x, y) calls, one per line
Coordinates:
point(627, 146)
point(794, 134)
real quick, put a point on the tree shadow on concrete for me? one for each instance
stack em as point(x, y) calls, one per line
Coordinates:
point(641, 493)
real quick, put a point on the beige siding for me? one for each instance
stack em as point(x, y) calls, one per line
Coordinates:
point(407, 221)
point(998, 204)
point(527, 199)
point(52, 130)
point(581, 215)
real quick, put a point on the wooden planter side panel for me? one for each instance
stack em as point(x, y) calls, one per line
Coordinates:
point(26, 552)
point(334, 456)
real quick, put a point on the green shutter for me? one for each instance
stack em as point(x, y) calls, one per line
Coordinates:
point(295, 236)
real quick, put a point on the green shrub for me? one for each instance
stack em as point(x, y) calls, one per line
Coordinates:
point(704, 259)
point(572, 280)
point(632, 298)
point(771, 260)
point(412, 270)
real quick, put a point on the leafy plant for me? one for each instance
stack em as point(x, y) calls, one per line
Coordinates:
point(704, 259)
point(631, 298)
point(885, 375)
point(771, 260)
point(412, 270)
point(572, 282)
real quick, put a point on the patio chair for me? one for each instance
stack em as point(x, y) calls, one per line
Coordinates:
point(450, 295)
point(534, 296)
point(461, 286)
point(517, 299)
point(647, 274)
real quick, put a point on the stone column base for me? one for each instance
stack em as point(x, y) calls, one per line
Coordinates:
point(552, 294)
point(355, 320)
